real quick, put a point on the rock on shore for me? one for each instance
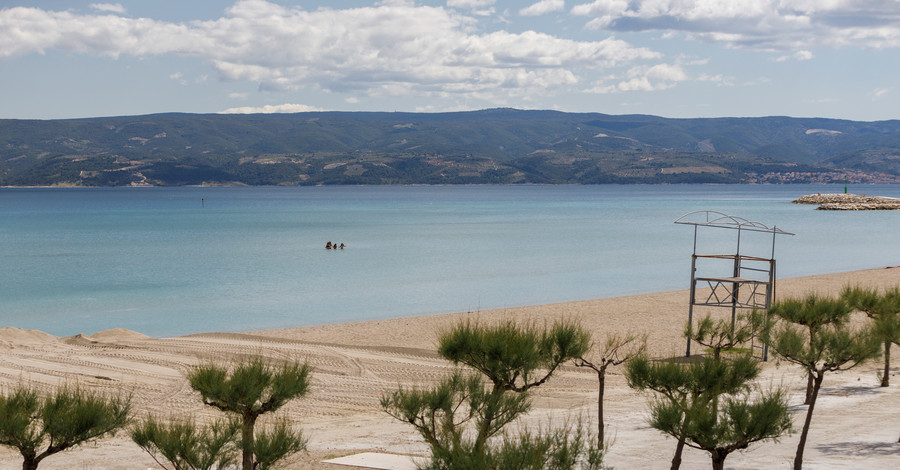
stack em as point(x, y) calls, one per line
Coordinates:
point(849, 202)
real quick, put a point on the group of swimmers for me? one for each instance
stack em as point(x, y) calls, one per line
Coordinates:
point(334, 246)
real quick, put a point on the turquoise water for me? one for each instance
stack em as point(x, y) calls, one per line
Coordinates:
point(170, 261)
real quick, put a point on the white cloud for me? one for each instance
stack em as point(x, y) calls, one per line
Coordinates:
point(643, 78)
point(542, 7)
point(469, 3)
point(601, 7)
point(271, 109)
point(799, 55)
point(391, 49)
point(31, 30)
point(110, 7)
point(879, 92)
point(773, 25)
point(657, 77)
point(719, 79)
point(179, 77)
point(238, 96)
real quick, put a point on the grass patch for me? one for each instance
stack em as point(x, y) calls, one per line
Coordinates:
point(731, 351)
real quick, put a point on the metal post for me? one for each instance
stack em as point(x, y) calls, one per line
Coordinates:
point(695, 242)
point(770, 298)
point(770, 292)
point(774, 231)
point(735, 286)
point(693, 295)
point(735, 291)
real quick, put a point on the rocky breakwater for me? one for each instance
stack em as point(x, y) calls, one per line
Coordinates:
point(849, 202)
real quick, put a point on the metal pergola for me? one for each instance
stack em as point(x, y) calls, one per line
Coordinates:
point(751, 284)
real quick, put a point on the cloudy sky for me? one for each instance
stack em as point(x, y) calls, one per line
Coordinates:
point(673, 58)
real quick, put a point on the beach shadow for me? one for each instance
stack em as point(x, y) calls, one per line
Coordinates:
point(850, 390)
point(861, 449)
point(680, 359)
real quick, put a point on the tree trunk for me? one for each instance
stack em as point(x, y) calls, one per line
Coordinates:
point(30, 464)
point(798, 458)
point(247, 440)
point(718, 460)
point(601, 377)
point(809, 388)
point(676, 460)
point(885, 379)
point(809, 374)
point(484, 426)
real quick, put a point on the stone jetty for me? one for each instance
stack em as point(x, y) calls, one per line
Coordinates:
point(849, 202)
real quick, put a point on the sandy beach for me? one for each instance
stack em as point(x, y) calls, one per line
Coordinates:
point(856, 424)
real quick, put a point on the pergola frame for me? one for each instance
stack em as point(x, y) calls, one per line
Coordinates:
point(738, 291)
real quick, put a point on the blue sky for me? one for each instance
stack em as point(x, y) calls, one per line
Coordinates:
point(672, 58)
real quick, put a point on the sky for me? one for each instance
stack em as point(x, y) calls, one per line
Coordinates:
point(672, 58)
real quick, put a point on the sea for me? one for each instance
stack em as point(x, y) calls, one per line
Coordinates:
point(175, 261)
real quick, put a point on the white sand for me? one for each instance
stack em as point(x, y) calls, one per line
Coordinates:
point(855, 425)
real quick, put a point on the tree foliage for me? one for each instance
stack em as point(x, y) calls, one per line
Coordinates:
point(828, 346)
point(688, 404)
point(722, 335)
point(274, 443)
point(445, 415)
point(720, 430)
point(562, 448)
point(884, 310)
point(813, 313)
point(39, 426)
point(513, 357)
point(249, 390)
point(460, 415)
point(187, 446)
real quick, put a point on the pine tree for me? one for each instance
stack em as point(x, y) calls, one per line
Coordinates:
point(459, 416)
point(884, 310)
point(40, 426)
point(720, 430)
point(829, 347)
point(691, 390)
point(812, 313)
point(187, 446)
point(249, 390)
point(617, 349)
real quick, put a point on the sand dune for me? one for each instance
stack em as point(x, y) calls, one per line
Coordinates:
point(114, 335)
point(14, 335)
point(855, 425)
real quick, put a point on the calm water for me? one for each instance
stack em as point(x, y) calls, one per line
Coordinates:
point(169, 261)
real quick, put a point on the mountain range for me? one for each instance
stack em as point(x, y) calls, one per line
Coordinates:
point(493, 146)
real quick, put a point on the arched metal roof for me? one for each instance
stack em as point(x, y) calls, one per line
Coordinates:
point(719, 220)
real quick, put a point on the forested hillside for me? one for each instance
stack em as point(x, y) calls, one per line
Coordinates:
point(480, 147)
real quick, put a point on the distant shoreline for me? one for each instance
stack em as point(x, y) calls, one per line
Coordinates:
point(412, 185)
point(849, 202)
